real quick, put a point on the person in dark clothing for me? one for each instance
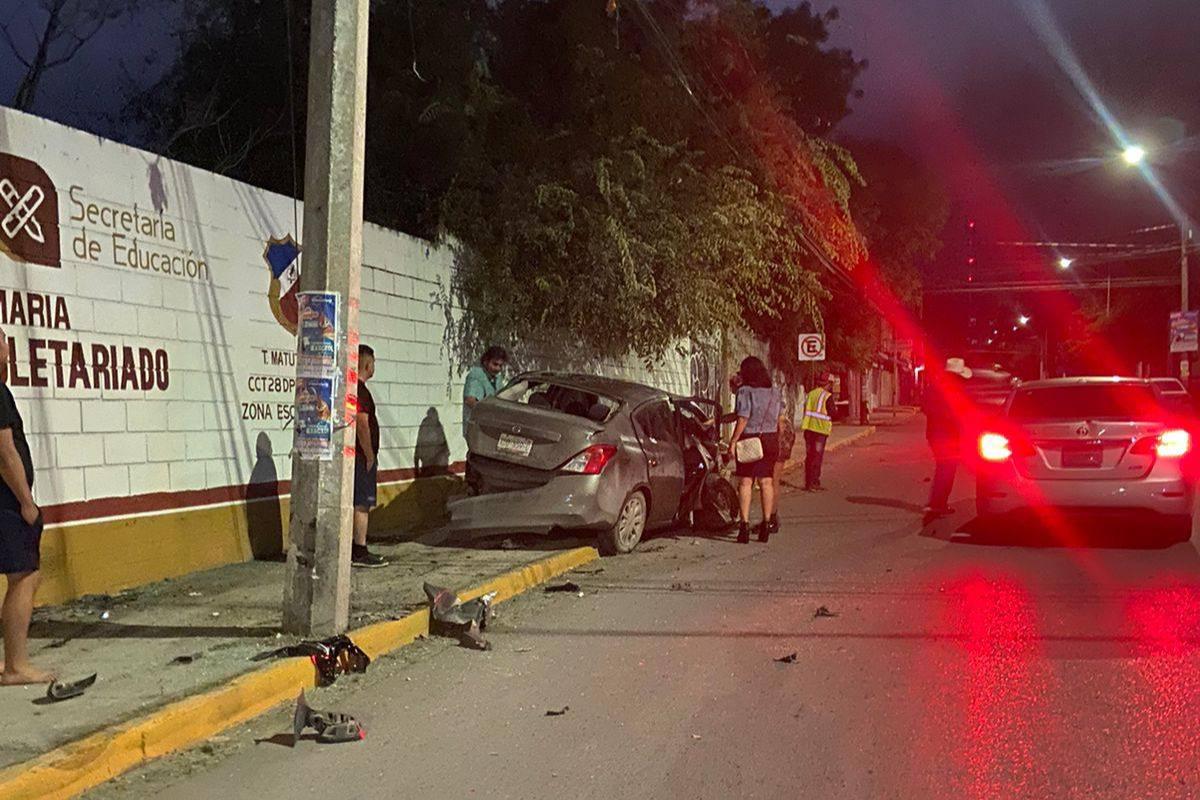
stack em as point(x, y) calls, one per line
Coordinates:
point(943, 430)
point(20, 538)
point(366, 463)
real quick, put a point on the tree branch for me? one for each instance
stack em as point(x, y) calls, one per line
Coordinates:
point(12, 45)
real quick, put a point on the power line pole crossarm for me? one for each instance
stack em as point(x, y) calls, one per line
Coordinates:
point(317, 593)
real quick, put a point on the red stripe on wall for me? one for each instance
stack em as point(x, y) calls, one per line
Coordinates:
point(171, 501)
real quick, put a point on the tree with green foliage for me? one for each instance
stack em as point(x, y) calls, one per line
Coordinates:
point(631, 179)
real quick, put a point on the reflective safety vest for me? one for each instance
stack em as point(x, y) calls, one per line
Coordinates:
point(816, 412)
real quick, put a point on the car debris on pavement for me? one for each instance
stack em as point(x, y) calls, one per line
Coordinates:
point(332, 727)
point(822, 611)
point(560, 712)
point(790, 658)
point(569, 586)
point(333, 656)
point(449, 616)
point(62, 690)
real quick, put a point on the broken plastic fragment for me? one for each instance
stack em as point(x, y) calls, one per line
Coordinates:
point(822, 611)
point(59, 690)
point(450, 616)
point(331, 726)
point(790, 658)
point(331, 656)
point(562, 587)
point(558, 713)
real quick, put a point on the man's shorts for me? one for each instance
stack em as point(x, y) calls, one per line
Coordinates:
point(20, 544)
point(365, 482)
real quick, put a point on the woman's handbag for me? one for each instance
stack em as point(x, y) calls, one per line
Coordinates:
point(747, 451)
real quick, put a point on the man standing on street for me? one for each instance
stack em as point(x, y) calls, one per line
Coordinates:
point(483, 380)
point(366, 463)
point(20, 537)
point(817, 425)
point(943, 429)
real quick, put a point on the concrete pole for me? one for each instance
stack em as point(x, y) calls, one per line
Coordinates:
point(316, 600)
point(1184, 358)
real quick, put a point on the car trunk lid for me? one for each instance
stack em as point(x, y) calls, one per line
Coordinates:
point(534, 437)
point(1085, 450)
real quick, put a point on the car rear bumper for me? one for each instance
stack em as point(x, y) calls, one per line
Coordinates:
point(566, 502)
point(1002, 491)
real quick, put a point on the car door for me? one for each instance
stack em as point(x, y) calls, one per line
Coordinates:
point(657, 429)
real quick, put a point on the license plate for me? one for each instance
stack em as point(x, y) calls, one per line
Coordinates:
point(1082, 457)
point(514, 445)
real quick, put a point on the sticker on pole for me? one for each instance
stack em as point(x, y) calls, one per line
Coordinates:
point(1185, 331)
point(317, 312)
point(812, 347)
point(314, 418)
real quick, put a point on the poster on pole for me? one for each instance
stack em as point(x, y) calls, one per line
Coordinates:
point(1185, 331)
point(318, 332)
point(812, 347)
point(314, 418)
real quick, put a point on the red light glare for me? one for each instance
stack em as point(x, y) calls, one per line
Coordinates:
point(994, 447)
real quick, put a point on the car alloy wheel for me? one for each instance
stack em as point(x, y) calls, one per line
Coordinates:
point(630, 524)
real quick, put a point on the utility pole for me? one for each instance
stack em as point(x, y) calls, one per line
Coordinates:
point(1184, 236)
point(316, 599)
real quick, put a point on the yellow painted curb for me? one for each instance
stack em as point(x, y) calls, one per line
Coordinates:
point(849, 440)
point(75, 767)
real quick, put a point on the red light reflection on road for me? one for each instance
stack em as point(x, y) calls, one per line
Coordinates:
point(998, 692)
point(1164, 711)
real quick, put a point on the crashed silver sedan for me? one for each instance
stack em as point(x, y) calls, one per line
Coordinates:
point(578, 452)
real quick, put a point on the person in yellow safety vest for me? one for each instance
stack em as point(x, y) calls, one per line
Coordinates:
point(817, 425)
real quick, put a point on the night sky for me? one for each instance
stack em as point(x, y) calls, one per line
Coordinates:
point(965, 84)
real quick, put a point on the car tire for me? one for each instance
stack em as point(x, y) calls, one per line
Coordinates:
point(719, 506)
point(627, 531)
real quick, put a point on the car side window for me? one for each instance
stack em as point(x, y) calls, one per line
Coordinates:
point(656, 420)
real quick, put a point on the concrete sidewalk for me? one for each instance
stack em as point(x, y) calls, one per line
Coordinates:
point(177, 638)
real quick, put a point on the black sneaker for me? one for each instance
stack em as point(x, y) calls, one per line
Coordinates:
point(360, 556)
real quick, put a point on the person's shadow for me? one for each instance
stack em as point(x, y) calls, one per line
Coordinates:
point(431, 455)
point(264, 515)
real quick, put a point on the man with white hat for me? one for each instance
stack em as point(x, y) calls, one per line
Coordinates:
point(944, 406)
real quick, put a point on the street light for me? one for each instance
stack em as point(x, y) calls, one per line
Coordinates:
point(1023, 320)
point(1134, 155)
point(1065, 263)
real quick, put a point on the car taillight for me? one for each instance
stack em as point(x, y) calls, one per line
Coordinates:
point(591, 461)
point(994, 447)
point(1174, 443)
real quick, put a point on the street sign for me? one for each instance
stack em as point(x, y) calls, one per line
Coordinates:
point(1185, 331)
point(812, 347)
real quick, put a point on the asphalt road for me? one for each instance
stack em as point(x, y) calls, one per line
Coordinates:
point(953, 667)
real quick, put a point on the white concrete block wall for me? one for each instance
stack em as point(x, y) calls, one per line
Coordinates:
point(205, 428)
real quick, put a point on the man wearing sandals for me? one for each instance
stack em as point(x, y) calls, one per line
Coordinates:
point(20, 537)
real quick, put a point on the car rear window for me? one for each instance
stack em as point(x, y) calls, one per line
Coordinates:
point(557, 397)
point(1169, 385)
point(1102, 401)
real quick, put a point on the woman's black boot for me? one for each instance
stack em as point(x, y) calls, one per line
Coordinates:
point(764, 531)
point(773, 524)
point(743, 532)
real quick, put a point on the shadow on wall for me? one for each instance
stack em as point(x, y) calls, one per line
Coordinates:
point(431, 456)
point(264, 513)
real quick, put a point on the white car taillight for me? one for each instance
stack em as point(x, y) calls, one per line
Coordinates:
point(1173, 443)
point(591, 461)
point(994, 447)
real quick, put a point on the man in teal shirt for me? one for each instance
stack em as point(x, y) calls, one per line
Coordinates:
point(483, 380)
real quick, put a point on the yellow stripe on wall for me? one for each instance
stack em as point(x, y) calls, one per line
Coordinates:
point(107, 556)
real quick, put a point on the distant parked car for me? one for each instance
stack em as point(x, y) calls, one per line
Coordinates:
point(1087, 444)
point(578, 452)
